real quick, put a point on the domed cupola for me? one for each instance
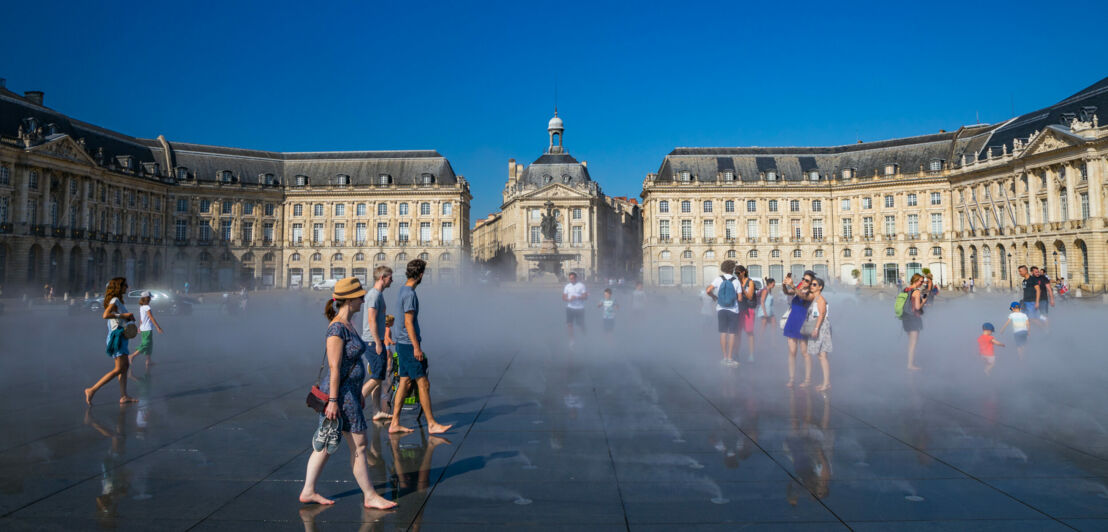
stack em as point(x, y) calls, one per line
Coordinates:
point(555, 128)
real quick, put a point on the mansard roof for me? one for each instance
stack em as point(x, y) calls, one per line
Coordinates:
point(555, 168)
point(205, 163)
point(867, 159)
point(1081, 106)
point(101, 144)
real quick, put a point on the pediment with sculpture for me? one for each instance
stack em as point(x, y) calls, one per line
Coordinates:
point(64, 147)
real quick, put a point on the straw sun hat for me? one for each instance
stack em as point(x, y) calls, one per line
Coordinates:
point(348, 288)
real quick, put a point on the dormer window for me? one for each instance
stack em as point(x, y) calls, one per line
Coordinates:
point(182, 173)
point(226, 176)
point(936, 165)
point(565, 178)
point(848, 173)
point(728, 176)
point(890, 169)
point(269, 179)
point(771, 175)
point(813, 175)
point(384, 179)
point(342, 180)
point(301, 180)
point(686, 176)
point(125, 161)
point(426, 179)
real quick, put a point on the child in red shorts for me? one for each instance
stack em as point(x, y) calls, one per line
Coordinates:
point(985, 344)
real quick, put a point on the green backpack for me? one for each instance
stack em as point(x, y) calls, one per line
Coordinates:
point(898, 306)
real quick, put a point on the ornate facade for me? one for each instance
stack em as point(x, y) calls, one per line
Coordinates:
point(80, 204)
point(603, 232)
point(969, 204)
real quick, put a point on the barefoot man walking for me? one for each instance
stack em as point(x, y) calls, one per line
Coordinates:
point(412, 363)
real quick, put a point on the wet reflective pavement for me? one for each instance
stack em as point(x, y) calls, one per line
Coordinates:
point(546, 438)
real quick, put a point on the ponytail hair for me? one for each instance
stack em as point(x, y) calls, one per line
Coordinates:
point(331, 309)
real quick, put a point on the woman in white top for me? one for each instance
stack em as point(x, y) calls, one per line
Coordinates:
point(116, 314)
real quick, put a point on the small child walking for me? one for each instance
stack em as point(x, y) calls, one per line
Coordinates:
point(985, 344)
point(608, 311)
point(147, 324)
point(1020, 326)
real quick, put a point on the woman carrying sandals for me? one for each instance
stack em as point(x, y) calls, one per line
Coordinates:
point(343, 383)
point(117, 317)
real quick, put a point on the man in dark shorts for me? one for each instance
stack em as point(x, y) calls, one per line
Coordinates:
point(1046, 290)
point(727, 312)
point(575, 294)
point(412, 365)
point(373, 333)
point(1032, 298)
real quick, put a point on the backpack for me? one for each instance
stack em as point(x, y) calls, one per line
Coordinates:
point(727, 295)
point(898, 306)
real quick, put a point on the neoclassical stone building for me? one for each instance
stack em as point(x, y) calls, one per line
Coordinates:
point(80, 204)
point(603, 232)
point(973, 203)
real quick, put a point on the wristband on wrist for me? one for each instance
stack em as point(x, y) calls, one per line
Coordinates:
point(332, 399)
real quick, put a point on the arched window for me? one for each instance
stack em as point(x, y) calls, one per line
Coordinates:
point(401, 257)
point(796, 253)
point(847, 253)
point(380, 257)
point(336, 257)
point(732, 254)
point(294, 257)
point(665, 255)
point(752, 254)
point(686, 254)
point(317, 256)
point(359, 256)
point(445, 257)
point(425, 256)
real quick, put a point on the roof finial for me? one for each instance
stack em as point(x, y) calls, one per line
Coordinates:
point(555, 96)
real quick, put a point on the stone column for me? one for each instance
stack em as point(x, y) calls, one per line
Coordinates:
point(45, 181)
point(1051, 196)
point(1096, 180)
point(1035, 214)
point(1074, 206)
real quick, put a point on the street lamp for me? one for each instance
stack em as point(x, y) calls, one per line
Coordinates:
point(1055, 253)
point(1010, 286)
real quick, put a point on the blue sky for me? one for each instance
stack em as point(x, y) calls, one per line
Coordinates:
point(476, 80)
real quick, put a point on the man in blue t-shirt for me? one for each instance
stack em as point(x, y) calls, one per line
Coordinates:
point(412, 364)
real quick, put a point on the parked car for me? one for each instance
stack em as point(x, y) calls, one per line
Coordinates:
point(328, 284)
point(160, 301)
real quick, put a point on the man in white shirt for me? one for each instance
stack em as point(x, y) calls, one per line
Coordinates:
point(575, 294)
point(727, 310)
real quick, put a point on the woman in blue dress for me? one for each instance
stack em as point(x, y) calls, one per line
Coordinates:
point(343, 385)
point(798, 313)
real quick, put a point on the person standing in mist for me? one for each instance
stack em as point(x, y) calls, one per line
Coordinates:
point(574, 294)
point(412, 364)
point(373, 333)
point(1033, 299)
point(747, 301)
point(116, 314)
point(798, 314)
point(725, 290)
point(343, 386)
point(820, 343)
point(912, 318)
point(1047, 291)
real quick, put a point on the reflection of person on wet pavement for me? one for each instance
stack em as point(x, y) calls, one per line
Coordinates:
point(412, 461)
point(809, 447)
point(113, 478)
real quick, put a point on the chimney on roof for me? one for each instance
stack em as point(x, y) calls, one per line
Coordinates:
point(585, 164)
point(3, 82)
point(35, 97)
point(942, 131)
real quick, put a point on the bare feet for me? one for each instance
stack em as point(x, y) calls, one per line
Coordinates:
point(437, 440)
point(378, 502)
point(381, 416)
point(805, 384)
point(314, 498)
point(127, 399)
point(914, 367)
point(88, 396)
point(824, 388)
point(398, 429)
point(789, 384)
point(436, 428)
point(308, 513)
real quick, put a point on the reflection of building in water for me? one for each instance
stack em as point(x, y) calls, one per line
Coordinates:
point(80, 204)
point(973, 203)
point(603, 231)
